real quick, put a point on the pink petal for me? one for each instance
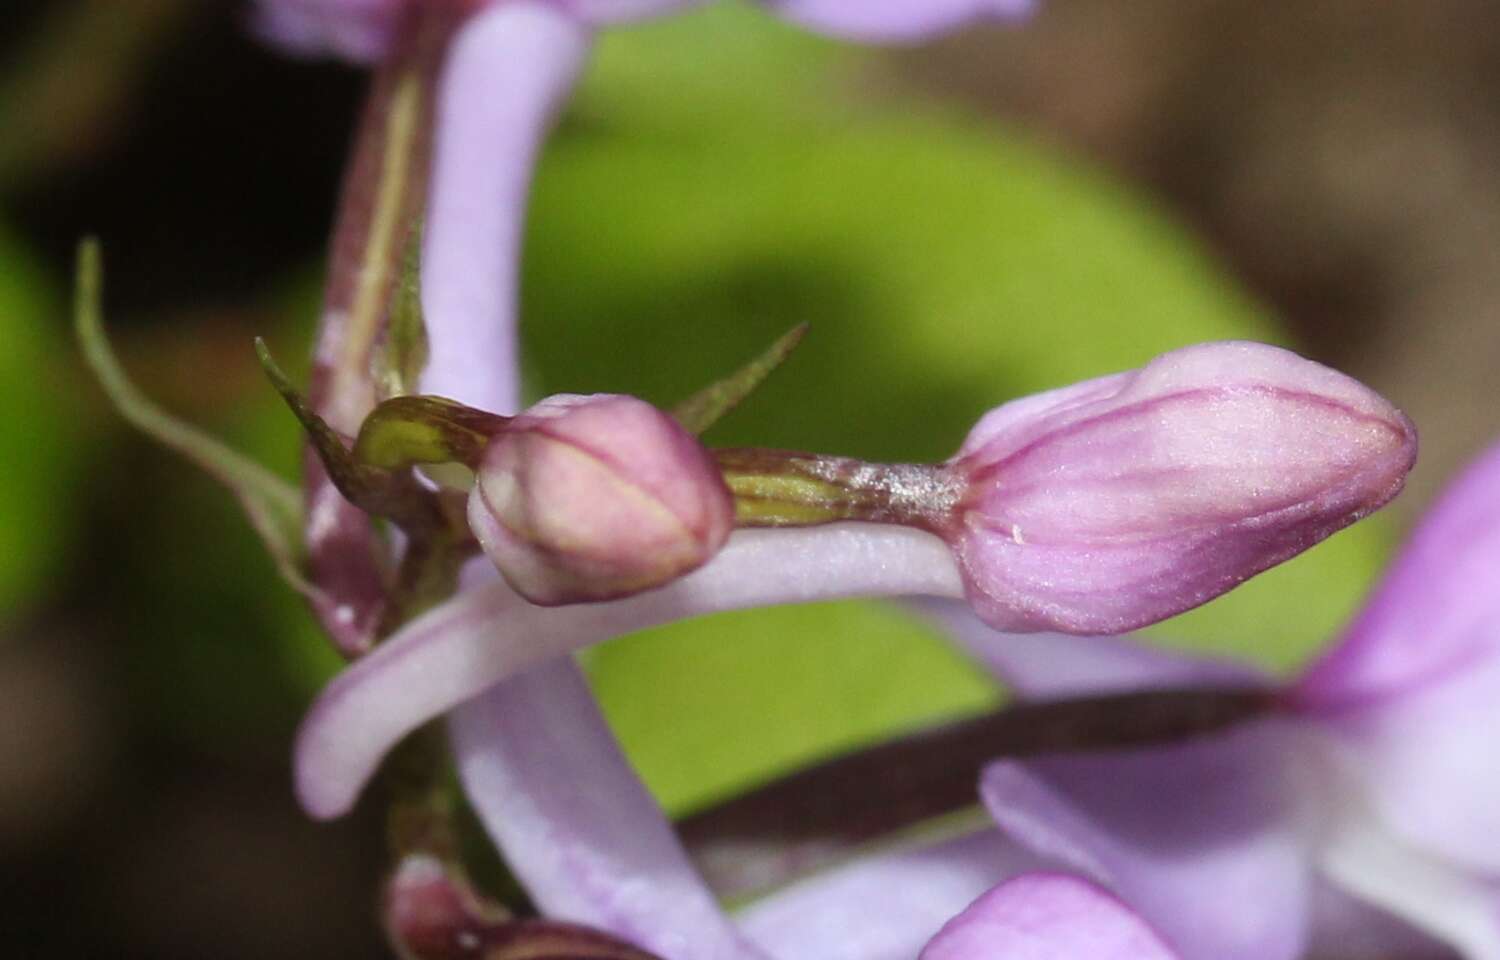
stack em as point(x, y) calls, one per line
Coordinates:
point(1137, 497)
point(509, 71)
point(1435, 895)
point(1047, 916)
point(1043, 666)
point(1429, 764)
point(883, 906)
point(483, 636)
point(1199, 838)
point(894, 20)
point(1346, 928)
point(575, 824)
point(1435, 614)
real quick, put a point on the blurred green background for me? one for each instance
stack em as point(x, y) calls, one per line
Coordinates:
point(961, 223)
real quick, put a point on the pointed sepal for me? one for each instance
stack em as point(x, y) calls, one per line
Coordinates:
point(706, 407)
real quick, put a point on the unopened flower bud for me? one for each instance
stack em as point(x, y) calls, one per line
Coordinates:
point(595, 497)
point(1118, 502)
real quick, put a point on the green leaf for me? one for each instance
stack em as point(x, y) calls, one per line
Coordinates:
point(705, 408)
point(272, 505)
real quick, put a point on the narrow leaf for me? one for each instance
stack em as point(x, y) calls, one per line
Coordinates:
point(706, 407)
point(271, 504)
point(400, 357)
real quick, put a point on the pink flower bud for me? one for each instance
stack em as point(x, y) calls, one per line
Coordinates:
point(1121, 501)
point(597, 497)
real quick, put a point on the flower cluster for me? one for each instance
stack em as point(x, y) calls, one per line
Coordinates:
point(1339, 809)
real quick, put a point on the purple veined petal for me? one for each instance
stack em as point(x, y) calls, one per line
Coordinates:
point(1202, 838)
point(358, 30)
point(1427, 763)
point(604, 12)
point(1135, 497)
point(1047, 916)
point(509, 71)
point(895, 20)
point(1434, 895)
point(884, 906)
point(485, 635)
point(1043, 666)
point(1345, 927)
point(1435, 613)
point(576, 825)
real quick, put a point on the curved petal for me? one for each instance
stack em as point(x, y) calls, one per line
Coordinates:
point(894, 20)
point(1200, 838)
point(884, 906)
point(1044, 666)
point(1347, 928)
point(508, 72)
point(1047, 916)
point(1427, 762)
point(1427, 892)
point(483, 636)
point(1435, 614)
point(574, 822)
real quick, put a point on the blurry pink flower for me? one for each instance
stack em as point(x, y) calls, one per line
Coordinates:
point(1046, 917)
point(1121, 501)
point(593, 498)
point(1360, 820)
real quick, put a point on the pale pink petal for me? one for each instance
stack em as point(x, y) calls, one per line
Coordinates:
point(883, 906)
point(574, 823)
point(509, 71)
point(1435, 614)
point(894, 20)
point(1047, 916)
point(1136, 497)
point(1199, 838)
point(483, 636)
point(1433, 894)
point(1347, 928)
point(1429, 762)
point(1044, 666)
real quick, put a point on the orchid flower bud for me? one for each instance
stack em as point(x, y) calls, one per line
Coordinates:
point(1120, 501)
point(594, 497)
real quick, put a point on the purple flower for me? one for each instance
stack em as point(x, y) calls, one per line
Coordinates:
point(593, 498)
point(1361, 819)
point(1046, 917)
point(577, 826)
point(1121, 501)
point(544, 773)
